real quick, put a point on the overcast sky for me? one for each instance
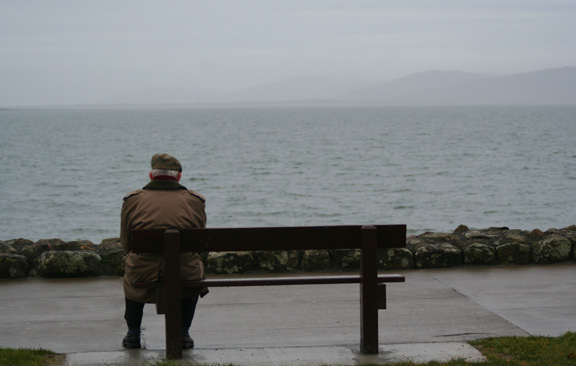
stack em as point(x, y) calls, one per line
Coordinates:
point(74, 51)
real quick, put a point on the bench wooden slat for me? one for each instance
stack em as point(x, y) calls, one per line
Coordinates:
point(274, 281)
point(269, 238)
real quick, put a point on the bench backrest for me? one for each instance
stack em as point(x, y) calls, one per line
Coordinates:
point(269, 238)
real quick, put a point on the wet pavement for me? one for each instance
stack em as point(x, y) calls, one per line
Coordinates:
point(430, 317)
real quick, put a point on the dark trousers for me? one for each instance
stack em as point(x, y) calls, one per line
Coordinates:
point(135, 310)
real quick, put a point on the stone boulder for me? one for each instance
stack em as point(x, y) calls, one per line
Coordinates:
point(346, 259)
point(536, 234)
point(460, 229)
point(435, 238)
point(18, 244)
point(278, 261)
point(229, 262)
point(50, 243)
point(8, 249)
point(479, 254)
point(441, 255)
point(436, 250)
point(485, 236)
point(65, 263)
point(33, 251)
point(514, 253)
point(553, 248)
point(13, 266)
point(395, 258)
point(513, 237)
point(316, 260)
point(570, 234)
point(513, 247)
point(113, 257)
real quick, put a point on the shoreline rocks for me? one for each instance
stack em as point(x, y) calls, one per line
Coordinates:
point(55, 258)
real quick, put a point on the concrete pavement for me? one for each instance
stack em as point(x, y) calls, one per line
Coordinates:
point(430, 317)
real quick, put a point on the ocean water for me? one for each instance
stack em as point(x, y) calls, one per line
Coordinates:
point(65, 171)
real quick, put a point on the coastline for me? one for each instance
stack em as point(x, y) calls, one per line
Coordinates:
point(55, 258)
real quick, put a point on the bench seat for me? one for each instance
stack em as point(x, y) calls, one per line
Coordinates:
point(275, 281)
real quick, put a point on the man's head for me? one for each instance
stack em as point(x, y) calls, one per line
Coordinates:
point(165, 165)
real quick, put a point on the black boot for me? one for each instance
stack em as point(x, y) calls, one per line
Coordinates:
point(131, 340)
point(187, 341)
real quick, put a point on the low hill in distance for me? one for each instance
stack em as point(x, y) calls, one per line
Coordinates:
point(552, 86)
point(544, 87)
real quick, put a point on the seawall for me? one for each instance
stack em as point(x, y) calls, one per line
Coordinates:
point(53, 258)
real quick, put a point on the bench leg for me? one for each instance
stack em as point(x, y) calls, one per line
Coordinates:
point(173, 331)
point(369, 291)
point(173, 316)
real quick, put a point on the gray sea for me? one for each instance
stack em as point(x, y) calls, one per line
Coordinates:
point(65, 171)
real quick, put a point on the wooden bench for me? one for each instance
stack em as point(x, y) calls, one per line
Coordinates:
point(170, 243)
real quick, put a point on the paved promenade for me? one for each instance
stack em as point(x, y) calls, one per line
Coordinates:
point(430, 317)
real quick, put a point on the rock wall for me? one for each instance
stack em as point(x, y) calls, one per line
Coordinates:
point(51, 258)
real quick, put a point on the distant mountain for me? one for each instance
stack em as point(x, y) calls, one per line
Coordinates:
point(552, 86)
point(415, 86)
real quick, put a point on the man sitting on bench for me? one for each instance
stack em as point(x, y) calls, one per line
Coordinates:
point(163, 203)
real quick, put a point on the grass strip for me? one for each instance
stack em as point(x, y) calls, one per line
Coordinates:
point(25, 357)
point(518, 351)
point(529, 351)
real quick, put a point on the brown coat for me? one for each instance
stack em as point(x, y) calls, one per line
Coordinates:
point(161, 204)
